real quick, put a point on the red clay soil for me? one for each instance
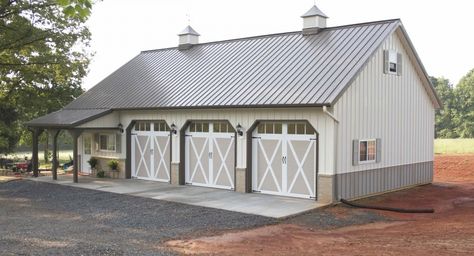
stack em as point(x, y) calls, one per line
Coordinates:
point(449, 231)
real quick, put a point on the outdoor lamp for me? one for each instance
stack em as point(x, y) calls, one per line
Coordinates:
point(174, 129)
point(240, 130)
point(120, 126)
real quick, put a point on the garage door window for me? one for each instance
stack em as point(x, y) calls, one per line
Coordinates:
point(222, 127)
point(300, 128)
point(199, 127)
point(160, 127)
point(142, 126)
point(270, 128)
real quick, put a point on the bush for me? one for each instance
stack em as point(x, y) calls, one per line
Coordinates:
point(93, 162)
point(113, 164)
point(100, 174)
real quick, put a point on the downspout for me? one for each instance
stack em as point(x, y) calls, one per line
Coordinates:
point(336, 128)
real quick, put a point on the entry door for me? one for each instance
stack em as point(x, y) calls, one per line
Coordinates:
point(86, 153)
point(284, 159)
point(210, 155)
point(151, 151)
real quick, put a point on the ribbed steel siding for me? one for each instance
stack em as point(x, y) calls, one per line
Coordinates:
point(284, 69)
point(364, 183)
point(396, 109)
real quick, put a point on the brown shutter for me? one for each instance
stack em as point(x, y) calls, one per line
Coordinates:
point(378, 147)
point(355, 152)
point(386, 61)
point(399, 64)
point(118, 143)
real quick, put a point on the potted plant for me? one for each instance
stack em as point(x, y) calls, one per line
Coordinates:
point(93, 163)
point(113, 165)
point(100, 174)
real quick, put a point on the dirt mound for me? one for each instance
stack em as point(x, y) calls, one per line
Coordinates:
point(454, 168)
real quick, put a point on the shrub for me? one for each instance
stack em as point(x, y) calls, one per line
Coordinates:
point(93, 162)
point(113, 164)
point(100, 174)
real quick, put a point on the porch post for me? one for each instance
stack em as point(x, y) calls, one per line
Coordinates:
point(34, 158)
point(55, 163)
point(75, 135)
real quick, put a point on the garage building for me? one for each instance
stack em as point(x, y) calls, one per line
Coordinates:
point(322, 113)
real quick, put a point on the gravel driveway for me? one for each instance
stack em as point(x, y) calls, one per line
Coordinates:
point(38, 218)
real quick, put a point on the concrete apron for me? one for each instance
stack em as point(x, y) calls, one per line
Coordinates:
point(257, 204)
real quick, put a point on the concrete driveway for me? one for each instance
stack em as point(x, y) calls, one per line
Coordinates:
point(258, 204)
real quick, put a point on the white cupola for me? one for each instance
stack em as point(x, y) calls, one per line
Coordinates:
point(187, 38)
point(313, 21)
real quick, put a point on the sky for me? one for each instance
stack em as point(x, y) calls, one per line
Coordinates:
point(441, 31)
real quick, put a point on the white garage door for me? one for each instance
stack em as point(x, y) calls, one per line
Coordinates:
point(210, 154)
point(284, 159)
point(151, 151)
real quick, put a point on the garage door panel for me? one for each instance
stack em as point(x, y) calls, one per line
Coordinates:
point(162, 154)
point(223, 160)
point(284, 160)
point(210, 155)
point(151, 151)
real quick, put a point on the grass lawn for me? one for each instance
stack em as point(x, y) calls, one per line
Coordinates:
point(454, 146)
point(63, 157)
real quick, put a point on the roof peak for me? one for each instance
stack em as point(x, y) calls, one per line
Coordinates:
point(189, 31)
point(314, 11)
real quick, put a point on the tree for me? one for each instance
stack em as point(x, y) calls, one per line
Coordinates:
point(464, 93)
point(8, 136)
point(445, 116)
point(44, 55)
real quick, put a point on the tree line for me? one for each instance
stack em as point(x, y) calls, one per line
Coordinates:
point(455, 119)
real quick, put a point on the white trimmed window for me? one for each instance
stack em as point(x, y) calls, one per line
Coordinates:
point(367, 151)
point(107, 142)
point(392, 62)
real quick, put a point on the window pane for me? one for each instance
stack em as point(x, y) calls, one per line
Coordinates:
point(278, 128)
point(363, 150)
point(393, 67)
point(216, 127)
point(300, 129)
point(199, 127)
point(309, 129)
point(111, 142)
point(205, 127)
point(371, 150)
point(147, 127)
point(269, 128)
point(292, 128)
point(261, 128)
point(192, 127)
point(103, 142)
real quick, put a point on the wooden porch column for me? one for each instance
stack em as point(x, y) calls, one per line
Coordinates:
point(75, 135)
point(34, 157)
point(55, 134)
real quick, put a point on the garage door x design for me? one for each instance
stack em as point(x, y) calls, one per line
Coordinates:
point(284, 160)
point(210, 155)
point(151, 154)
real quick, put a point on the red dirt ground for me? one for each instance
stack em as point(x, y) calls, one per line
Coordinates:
point(449, 231)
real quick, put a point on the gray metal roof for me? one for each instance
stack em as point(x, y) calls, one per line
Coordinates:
point(287, 69)
point(189, 31)
point(67, 117)
point(314, 11)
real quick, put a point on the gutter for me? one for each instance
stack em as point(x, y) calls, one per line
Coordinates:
point(336, 128)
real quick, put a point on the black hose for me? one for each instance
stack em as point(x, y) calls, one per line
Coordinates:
point(401, 210)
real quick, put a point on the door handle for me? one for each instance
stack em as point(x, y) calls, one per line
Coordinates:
point(210, 155)
point(283, 159)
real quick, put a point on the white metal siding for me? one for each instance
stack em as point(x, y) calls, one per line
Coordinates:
point(396, 109)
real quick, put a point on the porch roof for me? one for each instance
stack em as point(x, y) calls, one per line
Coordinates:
point(67, 118)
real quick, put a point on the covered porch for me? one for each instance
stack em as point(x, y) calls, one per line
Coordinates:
point(54, 123)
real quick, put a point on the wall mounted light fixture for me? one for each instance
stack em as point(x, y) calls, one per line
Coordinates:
point(174, 128)
point(240, 130)
point(120, 126)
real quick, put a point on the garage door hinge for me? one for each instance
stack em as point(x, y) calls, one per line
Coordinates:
point(256, 137)
point(257, 191)
point(133, 134)
point(188, 135)
point(312, 139)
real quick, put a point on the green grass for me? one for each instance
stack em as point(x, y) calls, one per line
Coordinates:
point(63, 157)
point(454, 146)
